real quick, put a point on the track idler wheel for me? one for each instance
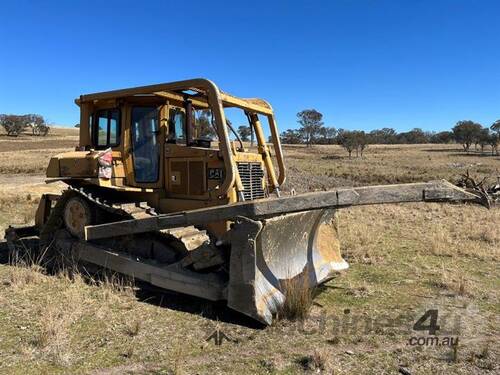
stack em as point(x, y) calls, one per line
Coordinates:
point(78, 213)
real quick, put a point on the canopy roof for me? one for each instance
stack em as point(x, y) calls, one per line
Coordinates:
point(195, 90)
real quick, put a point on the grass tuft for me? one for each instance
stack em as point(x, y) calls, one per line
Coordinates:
point(19, 277)
point(298, 299)
point(315, 362)
point(132, 328)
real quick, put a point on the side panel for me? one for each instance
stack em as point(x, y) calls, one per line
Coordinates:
point(187, 178)
point(186, 173)
point(83, 164)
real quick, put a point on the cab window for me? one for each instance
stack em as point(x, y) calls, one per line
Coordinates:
point(176, 129)
point(106, 128)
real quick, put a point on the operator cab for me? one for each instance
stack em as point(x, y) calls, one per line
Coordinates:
point(174, 144)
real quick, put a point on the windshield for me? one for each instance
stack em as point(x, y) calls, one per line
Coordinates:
point(204, 125)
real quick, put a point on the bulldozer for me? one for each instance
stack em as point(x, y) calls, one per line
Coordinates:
point(162, 189)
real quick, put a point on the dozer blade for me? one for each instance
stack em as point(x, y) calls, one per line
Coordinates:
point(265, 254)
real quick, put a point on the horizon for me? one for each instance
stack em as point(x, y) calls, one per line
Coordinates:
point(365, 65)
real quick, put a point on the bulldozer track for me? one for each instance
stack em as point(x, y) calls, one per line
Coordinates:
point(181, 240)
point(190, 236)
point(134, 210)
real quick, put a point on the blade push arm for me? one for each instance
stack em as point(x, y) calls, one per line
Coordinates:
point(437, 191)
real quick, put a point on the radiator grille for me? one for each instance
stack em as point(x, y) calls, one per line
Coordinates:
point(251, 175)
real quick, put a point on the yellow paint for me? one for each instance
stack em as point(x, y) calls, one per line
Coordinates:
point(184, 181)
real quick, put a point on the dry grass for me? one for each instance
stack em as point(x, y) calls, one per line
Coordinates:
point(114, 286)
point(324, 167)
point(404, 259)
point(450, 279)
point(53, 338)
point(316, 362)
point(441, 242)
point(30, 155)
point(23, 161)
point(19, 198)
point(132, 328)
point(298, 299)
point(19, 277)
point(16, 159)
point(65, 301)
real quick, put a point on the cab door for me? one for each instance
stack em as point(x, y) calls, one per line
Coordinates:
point(145, 148)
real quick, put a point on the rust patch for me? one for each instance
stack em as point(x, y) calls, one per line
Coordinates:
point(264, 303)
point(328, 243)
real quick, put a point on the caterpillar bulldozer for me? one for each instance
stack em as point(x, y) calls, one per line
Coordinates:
point(161, 188)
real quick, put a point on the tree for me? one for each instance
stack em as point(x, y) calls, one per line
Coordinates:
point(361, 140)
point(244, 132)
point(16, 124)
point(347, 139)
point(204, 125)
point(414, 136)
point(466, 132)
point(310, 122)
point(13, 124)
point(495, 138)
point(496, 127)
point(483, 138)
point(326, 135)
point(37, 124)
point(442, 137)
point(291, 137)
point(353, 140)
point(383, 136)
point(41, 129)
point(494, 141)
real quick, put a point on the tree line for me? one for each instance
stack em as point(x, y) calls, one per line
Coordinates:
point(16, 124)
point(313, 131)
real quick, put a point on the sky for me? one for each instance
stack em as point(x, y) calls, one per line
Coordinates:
point(364, 64)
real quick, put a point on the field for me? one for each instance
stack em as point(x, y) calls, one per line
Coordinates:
point(404, 260)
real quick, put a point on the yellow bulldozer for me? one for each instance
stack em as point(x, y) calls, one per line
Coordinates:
point(162, 189)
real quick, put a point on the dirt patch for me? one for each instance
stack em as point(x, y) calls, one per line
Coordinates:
point(15, 181)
